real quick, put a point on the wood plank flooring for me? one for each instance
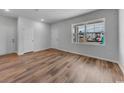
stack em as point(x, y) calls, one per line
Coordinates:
point(55, 66)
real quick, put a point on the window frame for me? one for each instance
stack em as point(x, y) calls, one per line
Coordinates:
point(85, 23)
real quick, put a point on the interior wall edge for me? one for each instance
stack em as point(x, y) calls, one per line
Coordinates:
point(121, 67)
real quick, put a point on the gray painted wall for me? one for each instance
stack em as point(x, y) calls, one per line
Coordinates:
point(121, 38)
point(61, 36)
point(41, 34)
point(8, 35)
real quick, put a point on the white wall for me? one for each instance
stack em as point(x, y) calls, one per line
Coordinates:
point(61, 37)
point(8, 35)
point(41, 34)
point(121, 38)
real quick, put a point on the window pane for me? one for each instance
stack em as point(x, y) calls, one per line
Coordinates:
point(94, 32)
point(81, 33)
point(90, 28)
point(81, 29)
point(99, 27)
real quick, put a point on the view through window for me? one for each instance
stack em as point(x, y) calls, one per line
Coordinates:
point(90, 32)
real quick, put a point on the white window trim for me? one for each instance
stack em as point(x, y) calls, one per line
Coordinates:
point(85, 23)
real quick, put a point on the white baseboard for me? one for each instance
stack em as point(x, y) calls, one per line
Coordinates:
point(33, 51)
point(40, 49)
point(114, 61)
point(19, 54)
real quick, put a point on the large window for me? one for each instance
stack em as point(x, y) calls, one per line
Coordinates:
point(89, 32)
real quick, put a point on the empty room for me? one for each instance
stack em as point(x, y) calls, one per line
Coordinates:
point(61, 46)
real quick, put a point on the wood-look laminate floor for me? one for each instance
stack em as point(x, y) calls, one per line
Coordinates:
point(57, 66)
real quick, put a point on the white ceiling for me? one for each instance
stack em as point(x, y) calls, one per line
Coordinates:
point(49, 15)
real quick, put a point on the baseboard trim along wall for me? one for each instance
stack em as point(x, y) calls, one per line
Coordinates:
point(41, 50)
point(89, 56)
point(121, 67)
point(19, 54)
